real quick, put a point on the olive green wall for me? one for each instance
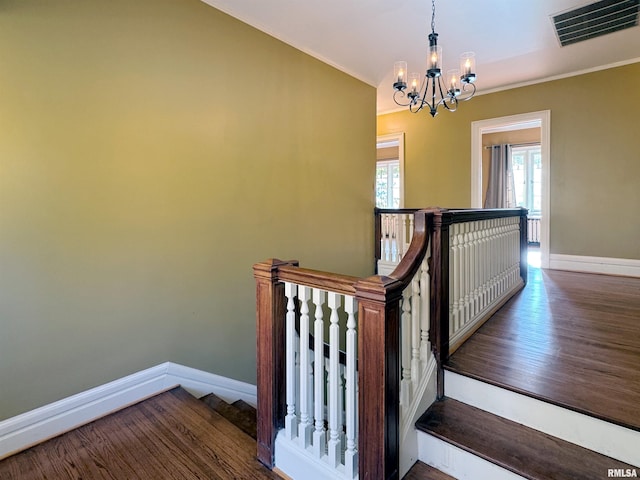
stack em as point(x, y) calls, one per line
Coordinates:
point(595, 161)
point(150, 152)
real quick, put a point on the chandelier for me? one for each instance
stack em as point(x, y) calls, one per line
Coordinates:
point(430, 92)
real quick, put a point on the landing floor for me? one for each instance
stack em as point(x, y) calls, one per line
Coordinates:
point(569, 338)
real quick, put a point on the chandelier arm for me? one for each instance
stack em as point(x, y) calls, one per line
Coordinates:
point(402, 95)
point(452, 106)
point(464, 89)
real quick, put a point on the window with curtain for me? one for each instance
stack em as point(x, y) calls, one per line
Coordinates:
point(500, 189)
point(388, 184)
point(526, 163)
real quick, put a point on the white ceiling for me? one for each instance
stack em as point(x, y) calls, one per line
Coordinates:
point(514, 40)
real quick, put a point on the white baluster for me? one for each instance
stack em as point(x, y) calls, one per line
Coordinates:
point(402, 235)
point(305, 427)
point(415, 328)
point(454, 278)
point(405, 331)
point(351, 394)
point(387, 236)
point(466, 274)
point(475, 266)
point(411, 228)
point(484, 269)
point(394, 239)
point(291, 421)
point(425, 308)
point(335, 415)
point(319, 434)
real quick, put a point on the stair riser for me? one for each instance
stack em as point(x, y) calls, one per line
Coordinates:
point(457, 462)
point(597, 435)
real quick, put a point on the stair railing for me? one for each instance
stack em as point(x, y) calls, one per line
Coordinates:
point(292, 393)
point(397, 330)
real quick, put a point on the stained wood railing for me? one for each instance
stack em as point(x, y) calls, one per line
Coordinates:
point(458, 268)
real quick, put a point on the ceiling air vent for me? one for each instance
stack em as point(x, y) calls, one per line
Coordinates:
point(595, 20)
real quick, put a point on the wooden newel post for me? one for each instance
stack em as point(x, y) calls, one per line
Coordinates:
point(524, 245)
point(377, 237)
point(439, 328)
point(378, 377)
point(270, 357)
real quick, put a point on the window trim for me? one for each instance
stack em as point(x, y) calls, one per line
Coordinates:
point(392, 140)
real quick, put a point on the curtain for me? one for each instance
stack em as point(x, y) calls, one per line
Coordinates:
point(501, 192)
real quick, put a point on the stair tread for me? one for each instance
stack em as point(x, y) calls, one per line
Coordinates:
point(515, 447)
point(242, 418)
point(245, 407)
point(422, 471)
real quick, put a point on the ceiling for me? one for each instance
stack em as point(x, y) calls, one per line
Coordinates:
point(514, 40)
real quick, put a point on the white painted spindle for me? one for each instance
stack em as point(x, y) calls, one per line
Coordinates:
point(405, 332)
point(351, 453)
point(335, 415)
point(415, 329)
point(291, 420)
point(319, 435)
point(305, 427)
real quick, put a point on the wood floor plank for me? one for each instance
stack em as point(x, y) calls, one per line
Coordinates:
point(568, 338)
point(522, 450)
point(171, 436)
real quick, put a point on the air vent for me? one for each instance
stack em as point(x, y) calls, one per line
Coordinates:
point(594, 20)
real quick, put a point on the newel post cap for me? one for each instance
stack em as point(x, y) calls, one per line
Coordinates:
point(268, 268)
point(378, 288)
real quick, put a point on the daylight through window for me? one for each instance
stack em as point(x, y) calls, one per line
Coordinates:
point(388, 184)
point(527, 176)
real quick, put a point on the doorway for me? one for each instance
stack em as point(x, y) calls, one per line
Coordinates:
point(541, 120)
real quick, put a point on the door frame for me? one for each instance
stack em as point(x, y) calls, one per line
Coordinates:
point(540, 119)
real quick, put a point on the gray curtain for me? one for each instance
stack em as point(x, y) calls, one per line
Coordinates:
point(501, 188)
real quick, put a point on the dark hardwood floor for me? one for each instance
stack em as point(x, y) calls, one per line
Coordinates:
point(169, 436)
point(569, 338)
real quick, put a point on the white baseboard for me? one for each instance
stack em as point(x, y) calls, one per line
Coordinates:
point(609, 266)
point(33, 427)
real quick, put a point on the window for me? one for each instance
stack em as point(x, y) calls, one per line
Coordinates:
point(388, 184)
point(527, 176)
point(389, 181)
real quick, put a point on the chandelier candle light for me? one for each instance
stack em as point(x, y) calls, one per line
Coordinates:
point(430, 92)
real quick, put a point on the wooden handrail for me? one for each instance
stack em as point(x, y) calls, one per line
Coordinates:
point(333, 282)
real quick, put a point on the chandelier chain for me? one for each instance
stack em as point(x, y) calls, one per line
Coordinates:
point(433, 16)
